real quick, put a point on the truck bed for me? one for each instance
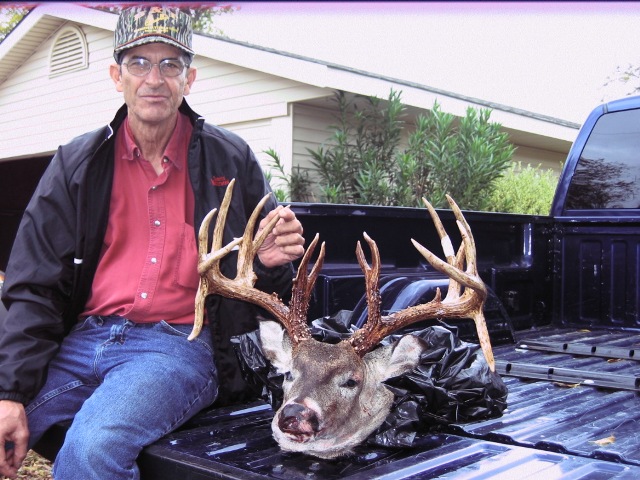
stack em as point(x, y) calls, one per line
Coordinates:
point(572, 414)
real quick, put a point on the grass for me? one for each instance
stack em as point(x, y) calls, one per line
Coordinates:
point(35, 467)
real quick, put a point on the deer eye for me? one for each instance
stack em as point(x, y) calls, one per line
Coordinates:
point(351, 383)
point(288, 376)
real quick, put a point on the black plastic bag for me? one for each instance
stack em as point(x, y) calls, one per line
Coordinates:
point(451, 384)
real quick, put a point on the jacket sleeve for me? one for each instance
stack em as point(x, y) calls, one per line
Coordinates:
point(38, 284)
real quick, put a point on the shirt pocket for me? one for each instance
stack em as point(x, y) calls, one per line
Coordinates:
point(187, 263)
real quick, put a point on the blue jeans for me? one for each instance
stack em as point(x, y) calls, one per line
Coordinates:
point(124, 385)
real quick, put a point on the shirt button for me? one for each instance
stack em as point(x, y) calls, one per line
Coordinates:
point(154, 260)
point(165, 160)
point(157, 223)
point(154, 187)
point(143, 295)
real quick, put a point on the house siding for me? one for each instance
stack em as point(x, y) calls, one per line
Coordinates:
point(39, 112)
point(310, 131)
point(227, 94)
point(535, 157)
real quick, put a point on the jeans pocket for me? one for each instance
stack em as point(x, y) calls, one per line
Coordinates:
point(203, 339)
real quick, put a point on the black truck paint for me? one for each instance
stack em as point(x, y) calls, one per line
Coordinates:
point(564, 319)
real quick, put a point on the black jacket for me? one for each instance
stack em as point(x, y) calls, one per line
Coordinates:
point(57, 248)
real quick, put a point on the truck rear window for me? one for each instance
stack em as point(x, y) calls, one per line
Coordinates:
point(607, 173)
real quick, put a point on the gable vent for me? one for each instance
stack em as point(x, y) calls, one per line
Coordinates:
point(69, 52)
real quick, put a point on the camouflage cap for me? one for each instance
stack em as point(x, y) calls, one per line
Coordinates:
point(149, 24)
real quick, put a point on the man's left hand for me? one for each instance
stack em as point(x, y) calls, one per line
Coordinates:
point(285, 243)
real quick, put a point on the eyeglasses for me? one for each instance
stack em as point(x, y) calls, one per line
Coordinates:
point(168, 67)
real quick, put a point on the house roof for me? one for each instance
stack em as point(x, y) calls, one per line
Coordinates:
point(528, 127)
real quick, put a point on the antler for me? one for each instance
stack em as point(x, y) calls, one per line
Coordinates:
point(455, 305)
point(465, 296)
point(212, 281)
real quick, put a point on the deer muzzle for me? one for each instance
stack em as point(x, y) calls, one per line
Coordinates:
point(298, 422)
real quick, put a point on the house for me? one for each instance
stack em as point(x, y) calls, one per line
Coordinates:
point(54, 86)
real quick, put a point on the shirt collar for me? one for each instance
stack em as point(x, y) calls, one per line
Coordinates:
point(173, 149)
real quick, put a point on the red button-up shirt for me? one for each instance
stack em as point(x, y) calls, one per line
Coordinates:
point(148, 264)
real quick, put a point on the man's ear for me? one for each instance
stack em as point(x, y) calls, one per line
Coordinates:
point(116, 75)
point(191, 77)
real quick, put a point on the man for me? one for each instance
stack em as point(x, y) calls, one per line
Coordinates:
point(101, 282)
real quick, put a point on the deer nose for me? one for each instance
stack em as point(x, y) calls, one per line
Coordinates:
point(296, 418)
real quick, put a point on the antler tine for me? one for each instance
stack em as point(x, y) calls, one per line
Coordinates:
point(248, 247)
point(460, 217)
point(454, 306)
point(208, 261)
point(301, 293)
point(470, 246)
point(452, 259)
point(447, 246)
point(371, 276)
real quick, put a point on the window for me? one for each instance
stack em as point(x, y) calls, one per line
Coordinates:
point(607, 173)
point(69, 52)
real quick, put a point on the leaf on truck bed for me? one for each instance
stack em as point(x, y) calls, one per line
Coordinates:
point(604, 441)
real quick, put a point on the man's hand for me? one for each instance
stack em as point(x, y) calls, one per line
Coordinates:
point(14, 436)
point(285, 243)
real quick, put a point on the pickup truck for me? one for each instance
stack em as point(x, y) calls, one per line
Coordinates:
point(564, 320)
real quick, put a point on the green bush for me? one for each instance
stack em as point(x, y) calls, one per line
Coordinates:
point(363, 162)
point(524, 190)
point(297, 184)
point(357, 165)
point(462, 157)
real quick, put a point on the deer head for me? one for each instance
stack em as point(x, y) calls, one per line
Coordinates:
point(334, 397)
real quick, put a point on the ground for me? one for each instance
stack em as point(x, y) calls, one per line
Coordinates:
point(35, 467)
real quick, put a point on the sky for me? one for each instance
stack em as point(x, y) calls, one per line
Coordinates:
point(551, 58)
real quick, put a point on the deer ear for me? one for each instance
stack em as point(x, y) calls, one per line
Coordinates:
point(401, 357)
point(275, 345)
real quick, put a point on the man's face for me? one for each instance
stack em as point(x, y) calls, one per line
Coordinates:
point(152, 99)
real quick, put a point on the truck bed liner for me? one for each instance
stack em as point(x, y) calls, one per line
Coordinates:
point(585, 420)
point(591, 432)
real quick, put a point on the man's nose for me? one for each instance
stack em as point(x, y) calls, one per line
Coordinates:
point(154, 74)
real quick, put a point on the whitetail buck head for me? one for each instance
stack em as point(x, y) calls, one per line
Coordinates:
point(334, 397)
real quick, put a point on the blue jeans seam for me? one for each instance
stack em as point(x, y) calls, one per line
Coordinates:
point(189, 407)
point(54, 393)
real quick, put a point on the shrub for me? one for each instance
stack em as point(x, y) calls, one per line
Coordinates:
point(297, 184)
point(524, 190)
point(363, 162)
point(460, 157)
point(357, 165)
